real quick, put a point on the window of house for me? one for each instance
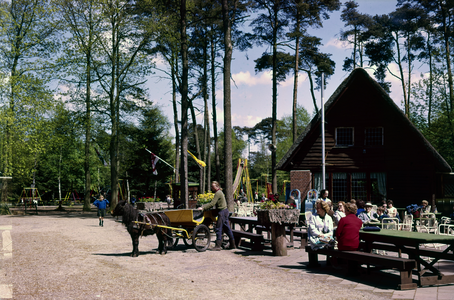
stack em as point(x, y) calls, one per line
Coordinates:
point(339, 187)
point(359, 186)
point(344, 136)
point(374, 136)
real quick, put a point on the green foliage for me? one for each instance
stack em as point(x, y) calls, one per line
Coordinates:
point(284, 130)
point(152, 133)
point(437, 126)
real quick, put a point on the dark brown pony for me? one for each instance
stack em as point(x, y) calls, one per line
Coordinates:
point(130, 215)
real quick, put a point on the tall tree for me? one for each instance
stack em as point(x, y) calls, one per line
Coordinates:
point(304, 14)
point(357, 24)
point(82, 19)
point(227, 11)
point(27, 40)
point(270, 28)
point(231, 17)
point(395, 38)
point(121, 67)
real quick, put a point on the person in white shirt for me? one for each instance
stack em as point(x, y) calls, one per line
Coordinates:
point(366, 216)
point(391, 211)
point(340, 212)
point(320, 229)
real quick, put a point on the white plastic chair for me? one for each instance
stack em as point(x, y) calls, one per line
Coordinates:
point(390, 223)
point(446, 229)
point(407, 223)
point(427, 223)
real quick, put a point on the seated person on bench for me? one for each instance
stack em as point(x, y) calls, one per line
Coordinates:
point(320, 229)
point(347, 232)
point(366, 216)
point(340, 212)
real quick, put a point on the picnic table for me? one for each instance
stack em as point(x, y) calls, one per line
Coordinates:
point(248, 224)
point(411, 243)
point(245, 223)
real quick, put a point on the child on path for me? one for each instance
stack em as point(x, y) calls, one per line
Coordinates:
point(101, 204)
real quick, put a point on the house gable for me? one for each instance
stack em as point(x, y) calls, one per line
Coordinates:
point(361, 104)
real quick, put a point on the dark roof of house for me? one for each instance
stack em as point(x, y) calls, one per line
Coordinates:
point(284, 163)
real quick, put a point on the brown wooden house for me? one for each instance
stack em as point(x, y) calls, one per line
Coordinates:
point(373, 151)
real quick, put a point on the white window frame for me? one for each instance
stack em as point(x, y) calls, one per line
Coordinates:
point(353, 136)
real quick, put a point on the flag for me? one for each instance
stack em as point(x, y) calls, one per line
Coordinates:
point(201, 163)
point(154, 161)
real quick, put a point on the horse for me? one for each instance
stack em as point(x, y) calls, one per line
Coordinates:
point(130, 216)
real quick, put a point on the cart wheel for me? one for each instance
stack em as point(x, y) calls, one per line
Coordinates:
point(187, 242)
point(201, 238)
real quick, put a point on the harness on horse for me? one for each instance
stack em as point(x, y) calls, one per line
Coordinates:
point(147, 222)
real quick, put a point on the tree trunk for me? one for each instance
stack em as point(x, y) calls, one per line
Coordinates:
point(114, 115)
point(295, 78)
point(429, 50)
point(206, 122)
point(184, 107)
point(175, 119)
point(87, 132)
point(227, 107)
point(274, 108)
point(213, 105)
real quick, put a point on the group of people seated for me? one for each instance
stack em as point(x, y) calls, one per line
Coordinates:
point(349, 218)
point(321, 226)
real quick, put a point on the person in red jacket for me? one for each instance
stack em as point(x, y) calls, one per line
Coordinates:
point(347, 233)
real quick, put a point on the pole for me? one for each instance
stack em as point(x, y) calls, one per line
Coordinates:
point(127, 189)
point(155, 182)
point(323, 132)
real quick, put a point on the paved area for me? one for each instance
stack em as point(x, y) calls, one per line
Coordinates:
point(383, 283)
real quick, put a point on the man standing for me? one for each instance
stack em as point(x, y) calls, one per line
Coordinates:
point(223, 216)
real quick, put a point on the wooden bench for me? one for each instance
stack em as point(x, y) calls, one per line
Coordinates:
point(403, 265)
point(256, 240)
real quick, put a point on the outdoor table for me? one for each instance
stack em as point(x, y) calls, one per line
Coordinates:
point(410, 243)
point(251, 222)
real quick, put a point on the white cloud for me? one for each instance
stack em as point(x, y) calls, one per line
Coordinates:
point(160, 62)
point(241, 120)
point(335, 42)
point(250, 80)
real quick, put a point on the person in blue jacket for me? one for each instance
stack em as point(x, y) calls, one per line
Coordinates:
point(101, 204)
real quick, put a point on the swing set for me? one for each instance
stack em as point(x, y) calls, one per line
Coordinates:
point(242, 180)
point(30, 196)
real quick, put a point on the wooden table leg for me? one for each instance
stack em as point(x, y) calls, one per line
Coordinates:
point(278, 240)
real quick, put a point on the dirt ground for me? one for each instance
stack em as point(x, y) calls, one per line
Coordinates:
point(68, 256)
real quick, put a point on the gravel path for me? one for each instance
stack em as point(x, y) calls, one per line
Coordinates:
point(68, 256)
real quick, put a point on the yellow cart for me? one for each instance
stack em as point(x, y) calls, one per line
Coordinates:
point(192, 226)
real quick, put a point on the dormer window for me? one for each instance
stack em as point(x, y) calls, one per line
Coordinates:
point(374, 136)
point(344, 136)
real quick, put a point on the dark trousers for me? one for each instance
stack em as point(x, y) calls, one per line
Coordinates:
point(223, 224)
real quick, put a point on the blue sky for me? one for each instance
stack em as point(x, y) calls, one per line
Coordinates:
point(252, 93)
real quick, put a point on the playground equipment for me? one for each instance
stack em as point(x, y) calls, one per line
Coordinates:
point(297, 194)
point(72, 196)
point(242, 179)
point(30, 196)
